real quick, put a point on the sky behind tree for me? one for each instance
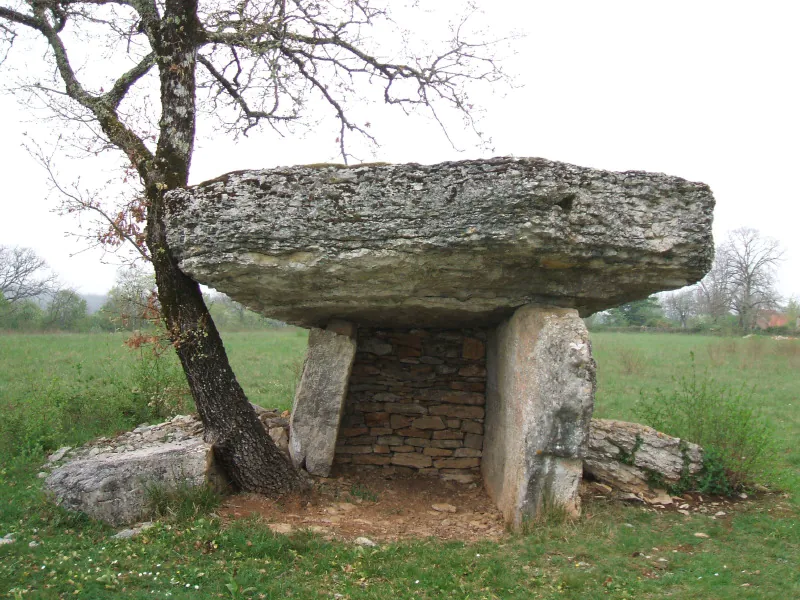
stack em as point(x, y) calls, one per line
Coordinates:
point(705, 91)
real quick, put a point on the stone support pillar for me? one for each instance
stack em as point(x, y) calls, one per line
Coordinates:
point(320, 396)
point(540, 396)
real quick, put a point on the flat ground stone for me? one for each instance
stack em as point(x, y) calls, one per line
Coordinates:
point(114, 487)
point(319, 400)
point(629, 456)
point(447, 245)
point(540, 395)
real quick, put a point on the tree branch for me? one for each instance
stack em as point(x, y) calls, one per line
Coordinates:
point(253, 116)
point(123, 85)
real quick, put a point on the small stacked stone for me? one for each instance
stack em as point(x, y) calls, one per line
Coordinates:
point(415, 403)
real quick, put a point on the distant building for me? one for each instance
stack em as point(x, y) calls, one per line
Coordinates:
point(772, 318)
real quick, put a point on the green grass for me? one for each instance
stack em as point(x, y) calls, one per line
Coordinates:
point(268, 364)
point(630, 362)
point(613, 551)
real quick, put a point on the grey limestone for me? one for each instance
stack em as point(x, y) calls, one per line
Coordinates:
point(319, 399)
point(540, 395)
point(448, 245)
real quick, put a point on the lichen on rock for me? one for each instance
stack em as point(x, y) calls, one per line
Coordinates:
point(448, 245)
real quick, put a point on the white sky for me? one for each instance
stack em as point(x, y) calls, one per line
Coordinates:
point(707, 91)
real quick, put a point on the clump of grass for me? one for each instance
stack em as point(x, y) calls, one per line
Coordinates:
point(182, 503)
point(551, 514)
point(722, 419)
point(720, 352)
point(362, 492)
point(631, 361)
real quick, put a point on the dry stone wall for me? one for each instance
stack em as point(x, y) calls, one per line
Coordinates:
point(416, 403)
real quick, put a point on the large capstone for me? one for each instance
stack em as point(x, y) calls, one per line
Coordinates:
point(451, 245)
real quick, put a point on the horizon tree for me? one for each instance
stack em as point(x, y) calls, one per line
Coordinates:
point(128, 304)
point(680, 305)
point(65, 311)
point(24, 275)
point(751, 261)
point(247, 63)
point(715, 289)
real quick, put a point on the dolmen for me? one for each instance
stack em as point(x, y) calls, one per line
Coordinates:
point(444, 304)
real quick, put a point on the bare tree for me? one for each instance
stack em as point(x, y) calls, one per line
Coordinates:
point(714, 290)
point(24, 275)
point(751, 261)
point(130, 303)
point(65, 310)
point(681, 305)
point(248, 63)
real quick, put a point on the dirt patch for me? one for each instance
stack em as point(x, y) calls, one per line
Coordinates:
point(353, 506)
point(403, 507)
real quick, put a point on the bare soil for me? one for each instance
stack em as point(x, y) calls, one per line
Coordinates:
point(381, 509)
point(352, 506)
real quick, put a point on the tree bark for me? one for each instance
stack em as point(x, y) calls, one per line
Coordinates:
point(241, 444)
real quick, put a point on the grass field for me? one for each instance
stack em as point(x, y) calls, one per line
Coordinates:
point(65, 389)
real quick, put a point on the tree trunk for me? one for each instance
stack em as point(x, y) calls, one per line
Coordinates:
point(241, 444)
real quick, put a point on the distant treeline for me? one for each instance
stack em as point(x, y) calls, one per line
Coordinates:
point(664, 314)
point(131, 305)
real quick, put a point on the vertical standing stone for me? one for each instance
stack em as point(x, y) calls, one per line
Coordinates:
point(540, 396)
point(320, 396)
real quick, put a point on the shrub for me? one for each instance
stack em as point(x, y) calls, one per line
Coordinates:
point(737, 442)
point(157, 382)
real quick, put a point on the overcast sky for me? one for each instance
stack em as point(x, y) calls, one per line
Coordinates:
point(707, 91)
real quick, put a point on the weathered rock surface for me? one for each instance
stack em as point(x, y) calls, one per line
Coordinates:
point(108, 479)
point(540, 396)
point(320, 396)
point(114, 487)
point(635, 458)
point(447, 245)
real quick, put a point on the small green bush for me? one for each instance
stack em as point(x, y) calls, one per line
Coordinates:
point(157, 383)
point(724, 420)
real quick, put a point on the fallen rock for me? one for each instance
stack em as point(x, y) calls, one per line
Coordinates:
point(447, 245)
point(114, 487)
point(658, 496)
point(133, 531)
point(7, 539)
point(635, 458)
point(447, 508)
point(281, 528)
point(108, 479)
point(366, 542)
point(59, 454)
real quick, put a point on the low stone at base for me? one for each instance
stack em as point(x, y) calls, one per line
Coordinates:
point(540, 396)
point(115, 488)
point(632, 457)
